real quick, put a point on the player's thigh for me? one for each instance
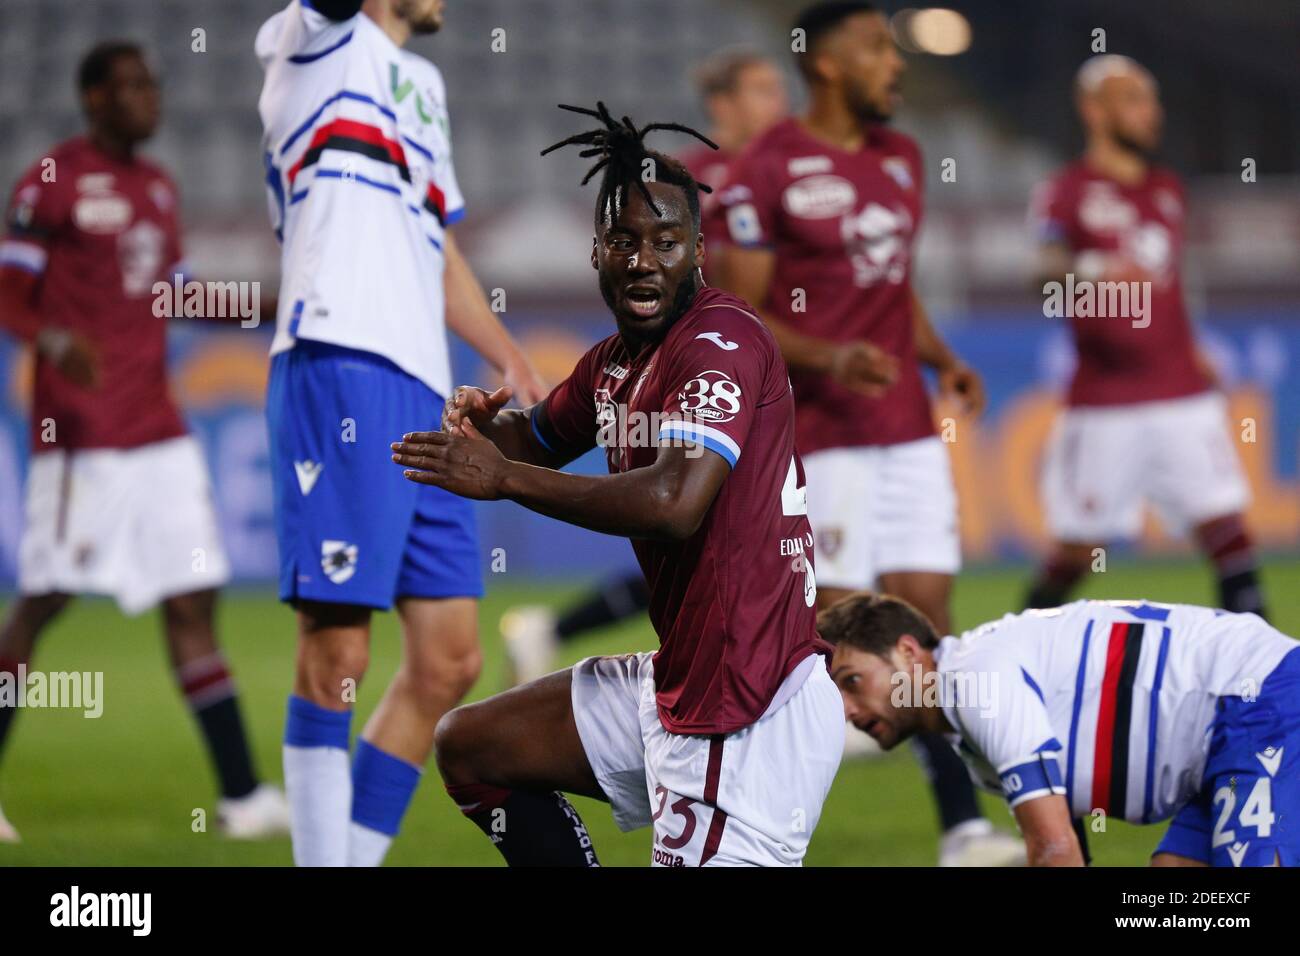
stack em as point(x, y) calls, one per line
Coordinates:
point(913, 525)
point(1195, 469)
point(1094, 480)
point(840, 483)
point(750, 798)
point(526, 738)
point(342, 509)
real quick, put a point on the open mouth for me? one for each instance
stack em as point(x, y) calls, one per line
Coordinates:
point(644, 301)
point(871, 727)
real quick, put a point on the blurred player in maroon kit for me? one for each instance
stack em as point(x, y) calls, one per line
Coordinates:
point(1144, 421)
point(726, 740)
point(118, 500)
point(823, 212)
point(744, 95)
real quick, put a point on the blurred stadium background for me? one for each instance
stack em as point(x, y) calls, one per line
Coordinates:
point(988, 87)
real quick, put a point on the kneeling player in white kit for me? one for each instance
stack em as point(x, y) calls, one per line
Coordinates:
point(726, 739)
point(1143, 421)
point(1135, 710)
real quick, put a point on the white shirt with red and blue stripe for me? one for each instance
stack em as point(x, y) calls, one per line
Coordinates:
point(361, 188)
point(1109, 704)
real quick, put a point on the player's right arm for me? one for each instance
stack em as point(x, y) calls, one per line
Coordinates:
point(35, 215)
point(1049, 835)
point(748, 267)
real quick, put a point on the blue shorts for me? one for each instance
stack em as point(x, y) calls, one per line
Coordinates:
point(351, 529)
point(1247, 812)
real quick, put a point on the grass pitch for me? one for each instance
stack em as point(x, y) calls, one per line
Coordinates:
point(124, 789)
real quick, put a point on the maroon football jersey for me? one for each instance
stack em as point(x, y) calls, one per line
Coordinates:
point(733, 604)
point(709, 166)
point(1119, 363)
point(842, 225)
point(99, 231)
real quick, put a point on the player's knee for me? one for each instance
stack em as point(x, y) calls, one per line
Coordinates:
point(454, 746)
point(330, 671)
point(436, 680)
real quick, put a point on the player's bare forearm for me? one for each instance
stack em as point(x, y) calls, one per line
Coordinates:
point(1055, 260)
point(666, 501)
point(1049, 837)
point(931, 349)
point(469, 316)
point(512, 432)
point(956, 378)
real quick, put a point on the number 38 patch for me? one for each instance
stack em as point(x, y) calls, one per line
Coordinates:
point(712, 397)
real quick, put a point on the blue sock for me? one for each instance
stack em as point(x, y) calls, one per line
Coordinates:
point(382, 787)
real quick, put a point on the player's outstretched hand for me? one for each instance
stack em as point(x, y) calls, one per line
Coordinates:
point(475, 404)
point(465, 463)
point(963, 383)
point(864, 367)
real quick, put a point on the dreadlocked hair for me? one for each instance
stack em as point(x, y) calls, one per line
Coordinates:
point(622, 151)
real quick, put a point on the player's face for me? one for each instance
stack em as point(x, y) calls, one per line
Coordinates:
point(1128, 109)
point(869, 685)
point(759, 101)
point(648, 264)
point(423, 16)
point(129, 103)
point(867, 65)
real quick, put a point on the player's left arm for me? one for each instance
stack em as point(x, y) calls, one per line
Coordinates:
point(663, 501)
point(999, 711)
point(469, 316)
point(956, 378)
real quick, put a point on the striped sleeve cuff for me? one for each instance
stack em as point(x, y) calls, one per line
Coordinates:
point(1039, 776)
point(714, 439)
point(27, 256)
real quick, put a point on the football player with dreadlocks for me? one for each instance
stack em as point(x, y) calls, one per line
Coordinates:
point(727, 738)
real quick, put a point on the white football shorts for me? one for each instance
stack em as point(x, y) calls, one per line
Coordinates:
point(748, 798)
point(137, 524)
point(1103, 464)
point(882, 508)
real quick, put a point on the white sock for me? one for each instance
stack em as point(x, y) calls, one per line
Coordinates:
point(318, 783)
point(366, 847)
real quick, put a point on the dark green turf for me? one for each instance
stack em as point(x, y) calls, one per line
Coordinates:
point(123, 789)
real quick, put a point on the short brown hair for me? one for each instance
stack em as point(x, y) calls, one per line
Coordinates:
point(874, 623)
point(720, 73)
